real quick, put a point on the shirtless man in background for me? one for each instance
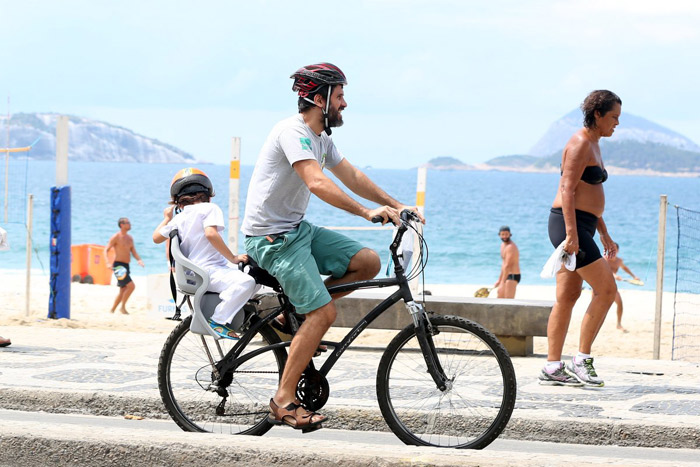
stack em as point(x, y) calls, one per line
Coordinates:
point(615, 264)
point(123, 245)
point(510, 270)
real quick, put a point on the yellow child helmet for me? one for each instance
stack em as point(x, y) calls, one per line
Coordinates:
point(188, 181)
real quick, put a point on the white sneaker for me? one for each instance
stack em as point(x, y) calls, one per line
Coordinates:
point(584, 372)
point(558, 378)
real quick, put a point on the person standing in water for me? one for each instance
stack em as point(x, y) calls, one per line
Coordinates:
point(123, 245)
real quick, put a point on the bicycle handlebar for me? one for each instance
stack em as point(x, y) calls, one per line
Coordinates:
point(406, 216)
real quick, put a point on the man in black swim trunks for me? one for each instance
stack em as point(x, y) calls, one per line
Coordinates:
point(510, 269)
point(123, 245)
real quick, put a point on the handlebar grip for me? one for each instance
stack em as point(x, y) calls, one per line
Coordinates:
point(377, 219)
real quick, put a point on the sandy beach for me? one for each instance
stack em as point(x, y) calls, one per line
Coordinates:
point(90, 305)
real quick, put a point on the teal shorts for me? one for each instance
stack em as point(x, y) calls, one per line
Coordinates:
point(298, 258)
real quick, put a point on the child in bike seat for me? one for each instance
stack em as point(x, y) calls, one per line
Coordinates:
point(199, 223)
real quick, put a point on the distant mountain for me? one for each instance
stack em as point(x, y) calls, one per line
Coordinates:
point(89, 140)
point(634, 156)
point(631, 128)
point(447, 163)
point(638, 146)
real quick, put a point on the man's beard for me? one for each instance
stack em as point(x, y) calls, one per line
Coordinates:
point(505, 240)
point(334, 118)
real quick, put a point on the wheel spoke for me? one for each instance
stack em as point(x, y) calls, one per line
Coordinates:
point(472, 411)
point(185, 375)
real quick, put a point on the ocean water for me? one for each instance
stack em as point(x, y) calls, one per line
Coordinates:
point(464, 210)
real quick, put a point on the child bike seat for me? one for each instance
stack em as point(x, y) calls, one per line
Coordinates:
point(193, 281)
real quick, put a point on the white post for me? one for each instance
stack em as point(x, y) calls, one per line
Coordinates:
point(30, 207)
point(661, 248)
point(420, 203)
point(234, 184)
point(7, 178)
point(62, 151)
point(7, 159)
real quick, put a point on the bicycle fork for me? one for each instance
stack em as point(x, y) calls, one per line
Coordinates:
point(424, 334)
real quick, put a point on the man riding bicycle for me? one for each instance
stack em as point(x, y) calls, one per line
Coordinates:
point(289, 168)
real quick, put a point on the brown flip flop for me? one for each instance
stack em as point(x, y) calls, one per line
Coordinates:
point(296, 416)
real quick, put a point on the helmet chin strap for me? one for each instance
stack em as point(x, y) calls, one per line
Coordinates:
point(326, 126)
point(325, 112)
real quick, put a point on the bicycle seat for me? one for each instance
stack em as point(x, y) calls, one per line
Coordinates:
point(261, 276)
point(192, 280)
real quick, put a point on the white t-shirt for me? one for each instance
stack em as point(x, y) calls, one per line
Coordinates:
point(190, 224)
point(277, 197)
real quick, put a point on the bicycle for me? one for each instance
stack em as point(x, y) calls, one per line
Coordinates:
point(442, 381)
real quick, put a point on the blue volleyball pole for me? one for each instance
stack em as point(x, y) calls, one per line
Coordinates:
point(59, 298)
point(60, 241)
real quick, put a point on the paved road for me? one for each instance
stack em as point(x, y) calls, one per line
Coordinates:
point(537, 453)
point(99, 372)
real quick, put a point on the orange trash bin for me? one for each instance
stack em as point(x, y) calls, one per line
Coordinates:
point(97, 265)
point(78, 262)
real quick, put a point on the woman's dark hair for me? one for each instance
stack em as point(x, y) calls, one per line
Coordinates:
point(600, 101)
point(186, 200)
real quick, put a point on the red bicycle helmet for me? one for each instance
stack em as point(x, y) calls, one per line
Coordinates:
point(310, 78)
point(190, 180)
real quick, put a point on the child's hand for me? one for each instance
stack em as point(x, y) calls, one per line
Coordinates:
point(241, 258)
point(168, 212)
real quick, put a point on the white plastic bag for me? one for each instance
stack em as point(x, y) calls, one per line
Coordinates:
point(555, 262)
point(405, 250)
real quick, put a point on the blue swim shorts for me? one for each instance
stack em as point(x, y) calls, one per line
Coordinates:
point(298, 258)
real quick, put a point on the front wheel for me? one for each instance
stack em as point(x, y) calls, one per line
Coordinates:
point(185, 377)
point(480, 394)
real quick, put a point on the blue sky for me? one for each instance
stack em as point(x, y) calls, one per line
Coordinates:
point(468, 79)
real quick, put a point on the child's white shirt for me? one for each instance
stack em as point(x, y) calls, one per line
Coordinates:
point(190, 223)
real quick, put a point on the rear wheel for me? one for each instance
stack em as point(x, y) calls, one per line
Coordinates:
point(185, 381)
point(479, 399)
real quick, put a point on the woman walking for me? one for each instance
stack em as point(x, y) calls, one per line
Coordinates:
point(575, 216)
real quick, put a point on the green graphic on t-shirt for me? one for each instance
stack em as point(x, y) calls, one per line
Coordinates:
point(305, 143)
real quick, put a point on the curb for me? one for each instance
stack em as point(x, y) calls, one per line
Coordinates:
point(569, 430)
point(37, 448)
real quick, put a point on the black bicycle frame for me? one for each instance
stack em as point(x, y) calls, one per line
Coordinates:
point(232, 359)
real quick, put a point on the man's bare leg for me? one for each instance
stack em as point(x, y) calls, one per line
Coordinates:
point(568, 291)
point(117, 300)
point(618, 302)
point(128, 290)
point(302, 348)
point(601, 280)
point(501, 291)
point(509, 286)
point(364, 265)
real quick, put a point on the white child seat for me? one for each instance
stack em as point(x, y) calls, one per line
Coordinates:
point(193, 281)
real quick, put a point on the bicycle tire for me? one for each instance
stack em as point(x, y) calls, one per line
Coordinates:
point(472, 412)
point(184, 373)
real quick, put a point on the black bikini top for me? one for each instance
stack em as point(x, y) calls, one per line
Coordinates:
point(593, 175)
